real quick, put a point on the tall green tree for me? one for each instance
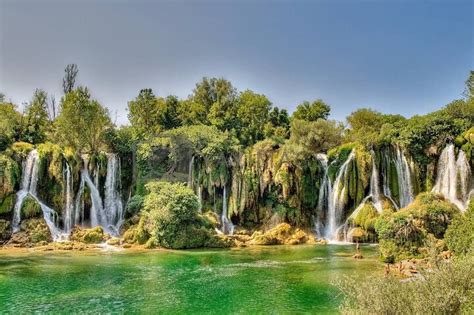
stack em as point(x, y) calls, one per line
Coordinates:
point(253, 113)
point(82, 122)
point(10, 120)
point(312, 111)
point(219, 98)
point(36, 121)
point(144, 113)
point(278, 124)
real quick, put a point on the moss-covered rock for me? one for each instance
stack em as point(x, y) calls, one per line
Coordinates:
point(93, 235)
point(7, 205)
point(281, 234)
point(30, 208)
point(5, 231)
point(32, 232)
point(10, 176)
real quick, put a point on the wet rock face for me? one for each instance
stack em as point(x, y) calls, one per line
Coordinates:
point(5, 231)
point(93, 235)
point(281, 234)
point(33, 232)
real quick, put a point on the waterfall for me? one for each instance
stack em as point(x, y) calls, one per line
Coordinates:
point(28, 173)
point(69, 215)
point(199, 194)
point(28, 187)
point(190, 173)
point(336, 201)
point(325, 191)
point(113, 216)
point(79, 205)
point(405, 186)
point(374, 185)
point(385, 168)
point(450, 173)
point(97, 208)
point(226, 225)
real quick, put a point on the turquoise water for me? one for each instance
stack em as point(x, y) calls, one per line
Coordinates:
point(277, 279)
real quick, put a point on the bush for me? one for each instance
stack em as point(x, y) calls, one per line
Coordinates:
point(402, 233)
point(448, 289)
point(459, 236)
point(93, 235)
point(134, 205)
point(172, 220)
point(30, 208)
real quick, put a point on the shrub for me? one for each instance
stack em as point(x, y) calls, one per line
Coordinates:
point(402, 233)
point(172, 220)
point(459, 236)
point(30, 208)
point(134, 205)
point(448, 289)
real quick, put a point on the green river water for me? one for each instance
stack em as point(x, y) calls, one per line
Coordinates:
point(257, 280)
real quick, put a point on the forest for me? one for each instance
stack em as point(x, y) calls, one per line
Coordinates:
point(226, 168)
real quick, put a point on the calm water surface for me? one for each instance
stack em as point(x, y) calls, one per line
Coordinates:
point(277, 280)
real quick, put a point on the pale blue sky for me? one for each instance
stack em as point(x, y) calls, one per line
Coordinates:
point(395, 56)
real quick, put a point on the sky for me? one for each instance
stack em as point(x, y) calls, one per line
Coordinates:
point(395, 56)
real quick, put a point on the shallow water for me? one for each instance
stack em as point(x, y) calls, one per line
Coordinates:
point(277, 279)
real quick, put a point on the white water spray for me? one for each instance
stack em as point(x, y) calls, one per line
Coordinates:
point(450, 173)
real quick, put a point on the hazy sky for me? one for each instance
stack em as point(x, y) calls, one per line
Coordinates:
point(395, 56)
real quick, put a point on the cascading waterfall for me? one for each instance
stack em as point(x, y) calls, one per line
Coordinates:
point(452, 171)
point(96, 209)
point(191, 184)
point(190, 173)
point(28, 188)
point(385, 169)
point(374, 197)
point(374, 185)
point(405, 185)
point(226, 225)
point(69, 214)
point(336, 201)
point(325, 190)
point(113, 218)
point(28, 173)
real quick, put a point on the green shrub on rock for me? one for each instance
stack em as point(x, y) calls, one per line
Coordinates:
point(37, 230)
point(134, 205)
point(459, 236)
point(402, 234)
point(30, 208)
point(170, 217)
point(93, 235)
point(5, 230)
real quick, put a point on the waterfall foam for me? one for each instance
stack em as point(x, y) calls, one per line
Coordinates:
point(450, 172)
point(336, 201)
point(226, 225)
point(29, 184)
point(113, 207)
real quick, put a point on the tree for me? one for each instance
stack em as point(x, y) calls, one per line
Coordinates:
point(219, 99)
point(253, 113)
point(315, 136)
point(312, 111)
point(36, 120)
point(69, 79)
point(170, 118)
point(143, 113)
point(278, 124)
point(191, 113)
point(82, 122)
point(9, 124)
